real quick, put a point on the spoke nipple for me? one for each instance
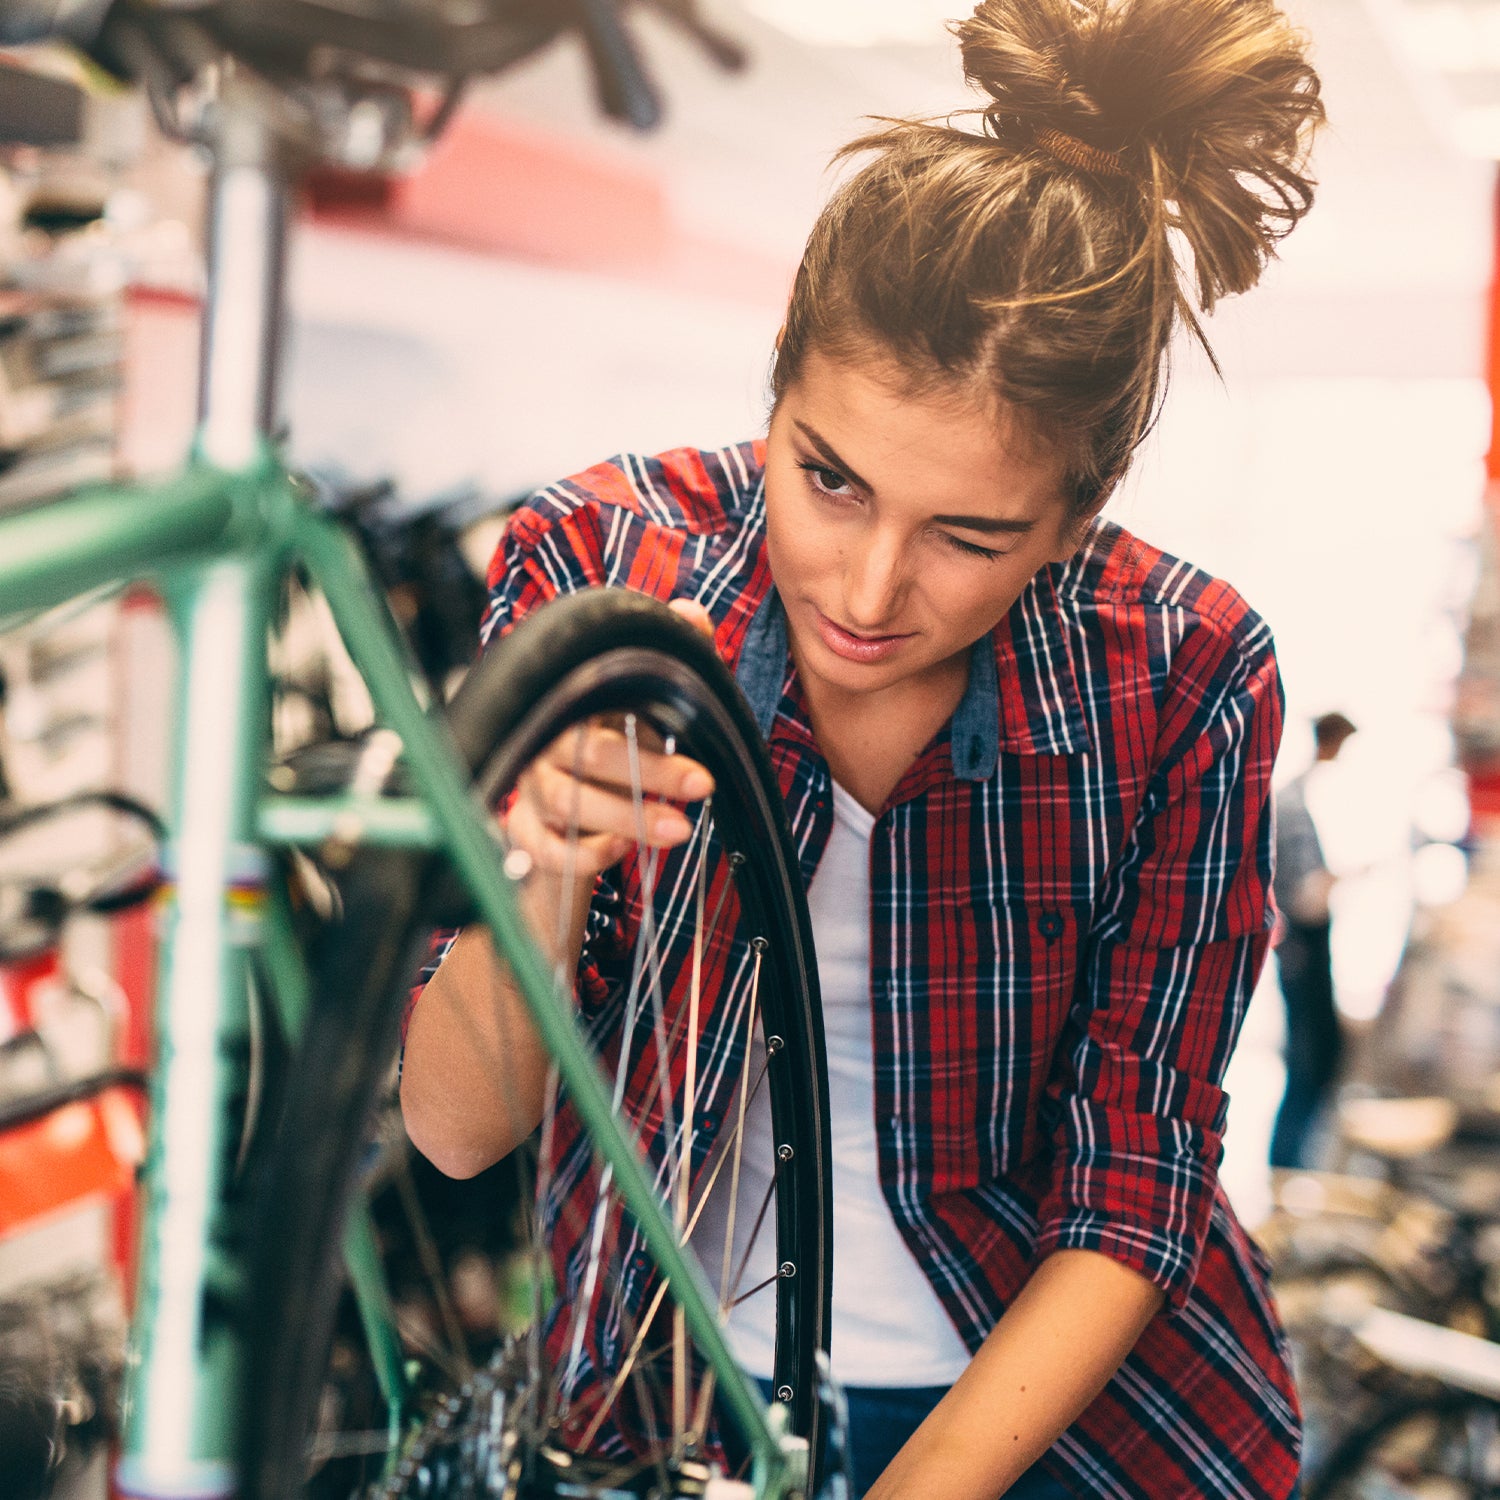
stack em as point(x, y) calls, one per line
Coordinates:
point(518, 864)
point(736, 859)
point(784, 1152)
point(783, 1393)
point(788, 1270)
point(669, 745)
point(774, 1044)
point(759, 944)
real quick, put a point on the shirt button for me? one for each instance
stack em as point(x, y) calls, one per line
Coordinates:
point(707, 1122)
point(1050, 925)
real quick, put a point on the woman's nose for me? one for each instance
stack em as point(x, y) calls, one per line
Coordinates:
point(873, 582)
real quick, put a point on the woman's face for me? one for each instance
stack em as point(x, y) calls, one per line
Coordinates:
point(900, 528)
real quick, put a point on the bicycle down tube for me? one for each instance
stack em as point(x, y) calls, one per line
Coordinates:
point(220, 539)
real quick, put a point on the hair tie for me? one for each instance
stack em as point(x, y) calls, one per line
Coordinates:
point(1076, 153)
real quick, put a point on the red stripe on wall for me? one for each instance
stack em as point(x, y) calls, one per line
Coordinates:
point(501, 188)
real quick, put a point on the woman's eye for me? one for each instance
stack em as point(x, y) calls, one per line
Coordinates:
point(830, 481)
point(970, 549)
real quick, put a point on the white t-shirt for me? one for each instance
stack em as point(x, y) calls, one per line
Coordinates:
point(889, 1329)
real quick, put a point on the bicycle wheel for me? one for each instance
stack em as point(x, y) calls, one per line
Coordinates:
point(584, 1404)
point(1444, 1447)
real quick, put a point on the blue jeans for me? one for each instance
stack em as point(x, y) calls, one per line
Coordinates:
point(1314, 1041)
point(881, 1420)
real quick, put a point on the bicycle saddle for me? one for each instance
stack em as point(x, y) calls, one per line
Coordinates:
point(477, 36)
point(302, 40)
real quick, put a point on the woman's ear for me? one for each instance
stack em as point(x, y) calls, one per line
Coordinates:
point(1076, 530)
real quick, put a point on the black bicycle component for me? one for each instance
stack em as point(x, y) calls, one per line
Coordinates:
point(17, 1112)
point(23, 21)
point(416, 552)
point(14, 819)
point(604, 651)
point(292, 42)
point(622, 85)
point(1446, 1444)
point(62, 1358)
point(36, 110)
point(34, 911)
point(611, 651)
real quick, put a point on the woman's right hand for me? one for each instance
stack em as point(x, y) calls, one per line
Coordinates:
point(576, 811)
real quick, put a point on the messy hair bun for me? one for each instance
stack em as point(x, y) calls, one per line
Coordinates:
point(1136, 161)
point(1207, 102)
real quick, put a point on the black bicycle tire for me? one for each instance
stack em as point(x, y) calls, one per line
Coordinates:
point(1352, 1451)
point(392, 901)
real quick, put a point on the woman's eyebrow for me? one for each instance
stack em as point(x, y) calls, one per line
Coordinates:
point(990, 524)
point(825, 451)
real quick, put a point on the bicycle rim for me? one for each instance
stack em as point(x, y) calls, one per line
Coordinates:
point(616, 653)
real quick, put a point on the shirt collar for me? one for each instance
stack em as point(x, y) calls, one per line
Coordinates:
point(761, 669)
point(1022, 695)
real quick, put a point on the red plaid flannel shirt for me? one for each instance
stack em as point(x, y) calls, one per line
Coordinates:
point(1069, 909)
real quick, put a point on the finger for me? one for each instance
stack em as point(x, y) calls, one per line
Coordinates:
point(604, 756)
point(556, 853)
point(564, 802)
point(695, 614)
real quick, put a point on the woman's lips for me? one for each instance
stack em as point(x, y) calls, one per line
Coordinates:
point(861, 648)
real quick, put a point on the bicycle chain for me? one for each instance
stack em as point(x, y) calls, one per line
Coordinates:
point(468, 1448)
point(449, 1459)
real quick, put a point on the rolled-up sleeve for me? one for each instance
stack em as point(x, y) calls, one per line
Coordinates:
point(1180, 935)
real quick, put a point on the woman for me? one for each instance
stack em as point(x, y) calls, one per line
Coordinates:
point(1037, 749)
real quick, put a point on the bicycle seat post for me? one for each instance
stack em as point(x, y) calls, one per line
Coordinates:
point(247, 232)
point(186, 1384)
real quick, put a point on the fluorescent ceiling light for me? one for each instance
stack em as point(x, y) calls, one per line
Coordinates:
point(861, 23)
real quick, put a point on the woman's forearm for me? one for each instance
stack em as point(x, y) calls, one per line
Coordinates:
point(475, 1072)
point(474, 1075)
point(1052, 1352)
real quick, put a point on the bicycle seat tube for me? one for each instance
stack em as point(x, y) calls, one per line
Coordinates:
point(185, 1378)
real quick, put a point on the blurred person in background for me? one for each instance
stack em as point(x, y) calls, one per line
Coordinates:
point(1027, 755)
point(1304, 959)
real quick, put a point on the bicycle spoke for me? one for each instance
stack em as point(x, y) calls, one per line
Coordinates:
point(706, 1393)
point(538, 1251)
point(432, 1266)
point(724, 1157)
point(596, 1240)
point(648, 935)
point(689, 1115)
point(349, 1445)
point(760, 1219)
point(760, 1286)
point(742, 1107)
point(584, 1302)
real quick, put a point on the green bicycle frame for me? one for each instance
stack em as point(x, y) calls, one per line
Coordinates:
point(219, 539)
